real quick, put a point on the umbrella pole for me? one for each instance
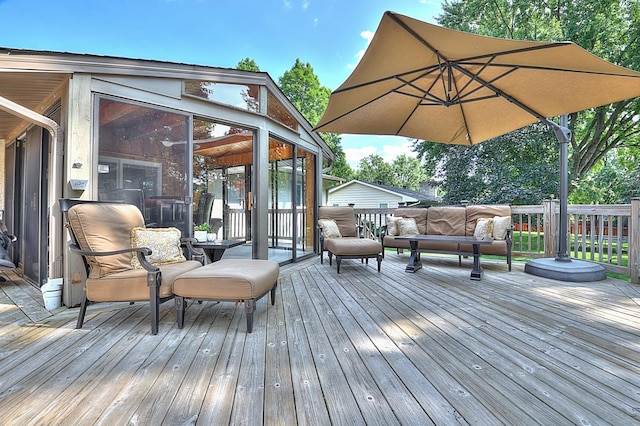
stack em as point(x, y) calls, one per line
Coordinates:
point(563, 134)
point(563, 268)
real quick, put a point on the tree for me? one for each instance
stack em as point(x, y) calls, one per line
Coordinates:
point(408, 172)
point(248, 64)
point(518, 168)
point(607, 28)
point(301, 85)
point(374, 169)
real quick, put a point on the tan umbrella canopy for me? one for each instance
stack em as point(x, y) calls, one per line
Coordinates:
point(427, 82)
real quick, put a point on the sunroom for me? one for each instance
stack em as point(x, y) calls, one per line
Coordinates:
point(189, 145)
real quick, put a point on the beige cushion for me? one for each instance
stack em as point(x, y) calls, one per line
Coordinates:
point(392, 225)
point(484, 228)
point(163, 242)
point(408, 226)
point(484, 211)
point(105, 227)
point(329, 228)
point(354, 247)
point(447, 220)
point(344, 217)
point(131, 285)
point(500, 226)
point(419, 214)
point(228, 279)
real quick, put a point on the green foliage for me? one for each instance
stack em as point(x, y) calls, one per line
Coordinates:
point(403, 172)
point(303, 88)
point(607, 28)
point(374, 169)
point(247, 64)
point(301, 85)
point(518, 168)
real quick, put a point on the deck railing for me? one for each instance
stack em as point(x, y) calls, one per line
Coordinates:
point(606, 234)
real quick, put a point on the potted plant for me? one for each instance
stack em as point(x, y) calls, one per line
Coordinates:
point(200, 231)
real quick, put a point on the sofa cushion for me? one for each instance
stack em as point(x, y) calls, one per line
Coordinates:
point(392, 225)
point(95, 230)
point(447, 220)
point(484, 211)
point(163, 242)
point(500, 226)
point(484, 228)
point(419, 214)
point(407, 226)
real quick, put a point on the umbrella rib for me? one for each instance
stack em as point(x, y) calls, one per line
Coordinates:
point(499, 92)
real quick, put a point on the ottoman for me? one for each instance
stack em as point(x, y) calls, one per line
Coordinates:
point(228, 280)
point(353, 248)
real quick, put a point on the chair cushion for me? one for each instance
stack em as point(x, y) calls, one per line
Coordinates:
point(131, 285)
point(163, 242)
point(105, 227)
point(344, 217)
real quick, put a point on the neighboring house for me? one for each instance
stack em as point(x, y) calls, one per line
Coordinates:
point(373, 195)
point(186, 143)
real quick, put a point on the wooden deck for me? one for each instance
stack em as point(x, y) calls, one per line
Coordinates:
point(361, 347)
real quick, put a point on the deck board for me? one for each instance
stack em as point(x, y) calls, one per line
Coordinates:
point(359, 347)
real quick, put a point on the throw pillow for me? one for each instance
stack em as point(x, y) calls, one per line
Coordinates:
point(484, 228)
point(392, 225)
point(163, 242)
point(500, 226)
point(329, 228)
point(408, 226)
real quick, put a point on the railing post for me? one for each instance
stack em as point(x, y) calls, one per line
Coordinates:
point(634, 237)
point(550, 228)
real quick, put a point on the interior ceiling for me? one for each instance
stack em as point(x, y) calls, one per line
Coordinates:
point(28, 90)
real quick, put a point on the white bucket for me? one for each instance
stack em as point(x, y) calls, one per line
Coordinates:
point(52, 299)
point(52, 294)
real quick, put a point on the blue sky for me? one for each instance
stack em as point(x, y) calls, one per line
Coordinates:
point(328, 34)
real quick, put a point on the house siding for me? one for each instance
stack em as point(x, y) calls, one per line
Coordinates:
point(363, 197)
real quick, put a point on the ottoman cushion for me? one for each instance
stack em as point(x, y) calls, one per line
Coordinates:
point(352, 246)
point(230, 279)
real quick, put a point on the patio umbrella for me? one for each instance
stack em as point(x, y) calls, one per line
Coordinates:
point(427, 82)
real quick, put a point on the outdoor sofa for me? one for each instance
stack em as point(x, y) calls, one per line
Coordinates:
point(465, 220)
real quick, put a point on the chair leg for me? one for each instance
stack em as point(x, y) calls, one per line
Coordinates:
point(379, 259)
point(273, 293)
point(83, 311)
point(154, 301)
point(249, 306)
point(338, 261)
point(181, 305)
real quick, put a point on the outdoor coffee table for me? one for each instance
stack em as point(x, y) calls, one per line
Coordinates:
point(414, 259)
point(215, 249)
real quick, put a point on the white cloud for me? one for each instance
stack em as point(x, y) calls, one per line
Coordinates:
point(306, 4)
point(367, 35)
point(288, 5)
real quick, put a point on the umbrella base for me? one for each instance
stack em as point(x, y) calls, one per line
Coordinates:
point(572, 270)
